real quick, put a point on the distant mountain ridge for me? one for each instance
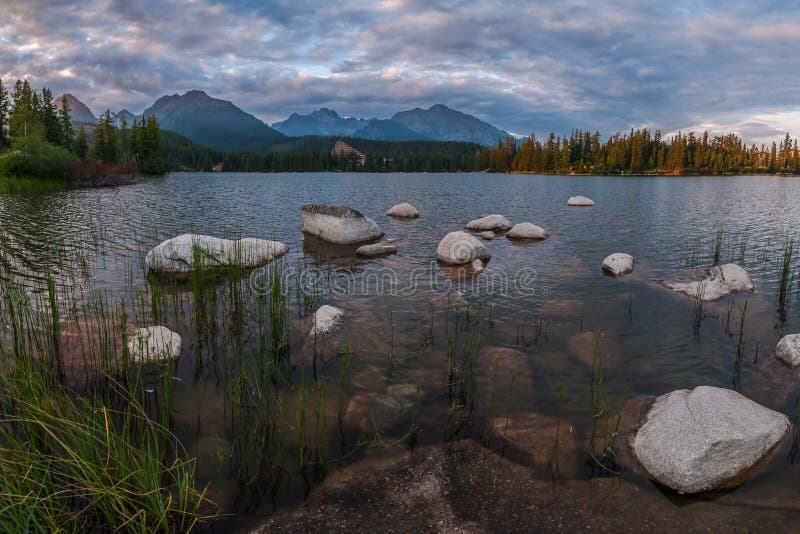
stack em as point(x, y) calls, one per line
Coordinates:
point(438, 123)
point(212, 122)
point(221, 125)
point(78, 111)
point(324, 121)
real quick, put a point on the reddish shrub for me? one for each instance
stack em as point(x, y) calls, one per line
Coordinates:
point(90, 173)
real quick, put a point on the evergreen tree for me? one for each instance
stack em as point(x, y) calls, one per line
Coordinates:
point(81, 146)
point(104, 148)
point(65, 124)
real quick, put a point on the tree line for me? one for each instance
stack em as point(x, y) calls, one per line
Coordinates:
point(38, 139)
point(639, 152)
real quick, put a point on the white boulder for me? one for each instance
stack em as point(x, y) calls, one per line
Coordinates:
point(707, 438)
point(180, 255)
point(580, 201)
point(339, 224)
point(458, 248)
point(403, 211)
point(376, 250)
point(788, 349)
point(495, 223)
point(477, 266)
point(618, 263)
point(488, 235)
point(154, 343)
point(526, 231)
point(326, 319)
point(712, 284)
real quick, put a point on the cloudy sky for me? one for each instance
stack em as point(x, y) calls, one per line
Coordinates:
point(522, 65)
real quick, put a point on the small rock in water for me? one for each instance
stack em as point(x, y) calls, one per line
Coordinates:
point(618, 263)
point(326, 320)
point(788, 349)
point(712, 284)
point(154, 343)
point(526, 231)
point(495, 223)
point(488, 235)
point(403, 211)
point(477, 266)
point(339, 224)
point(376, 250)
point(580, 201)
point(707, 438)
point(459, 248)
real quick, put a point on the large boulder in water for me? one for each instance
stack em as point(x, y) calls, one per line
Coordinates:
point(339, 224)
point(705, 439)
point(403, 211)
point(526, 231)
point(788, 349)
point(459, 248)
point(181, 255)
point(711, 284)
point(495, 223)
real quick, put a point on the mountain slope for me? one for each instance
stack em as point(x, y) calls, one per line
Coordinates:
point(78, 111)
point(389, 130)
point(321, 122)
point(214, 123)
point(444, 124)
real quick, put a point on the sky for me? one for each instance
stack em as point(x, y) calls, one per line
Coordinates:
point(525, 66)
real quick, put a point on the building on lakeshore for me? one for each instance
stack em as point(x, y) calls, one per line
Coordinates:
point(343, 150)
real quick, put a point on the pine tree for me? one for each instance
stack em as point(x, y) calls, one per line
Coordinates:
point(104, 147)
point(65, 124)
point(47, 113)
point(81, 145)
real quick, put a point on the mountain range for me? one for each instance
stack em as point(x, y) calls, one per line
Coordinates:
point(221, 125)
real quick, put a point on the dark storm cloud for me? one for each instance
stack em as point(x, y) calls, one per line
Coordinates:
point(525, 66)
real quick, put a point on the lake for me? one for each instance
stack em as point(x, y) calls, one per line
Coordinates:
point(540, 344)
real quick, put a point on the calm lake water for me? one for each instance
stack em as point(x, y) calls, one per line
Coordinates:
point(584, 340)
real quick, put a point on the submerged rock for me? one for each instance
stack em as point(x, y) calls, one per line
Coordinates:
point(339, 224)
point(618, 263)
point(477, 266)
point(704, 439)
point(459, 248)
point(376, 250)
point(403, 211)
point(488, 235)
point(538, 440)
point(495, 223)
point(154, 343)
point(580, 201)
point(326, 319)
point(788, 349)
point(526, 231)
point(181, 255)
point(712, 284)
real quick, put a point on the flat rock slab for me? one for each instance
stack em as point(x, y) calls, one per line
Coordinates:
point(711, 284)
point(618, 264)
point(376, 250)
point(185, 253)
point(580, 201)
point(788, 349)
point(154, 343)
point(325, 321)
point(339, 224)
point(403, 211)
point(707, 438)
point(459, 248)
point(526, 231)
point(495, 223)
